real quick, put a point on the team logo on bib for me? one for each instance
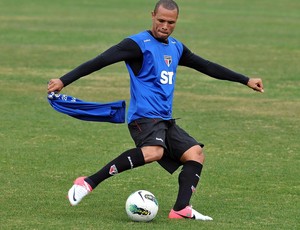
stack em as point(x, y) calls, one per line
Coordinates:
point(168, 60)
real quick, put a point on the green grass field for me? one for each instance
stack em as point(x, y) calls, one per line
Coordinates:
point(251, 176)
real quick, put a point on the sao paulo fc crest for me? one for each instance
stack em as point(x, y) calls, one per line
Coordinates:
point(168, 60)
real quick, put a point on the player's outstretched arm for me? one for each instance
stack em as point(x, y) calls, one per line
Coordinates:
point(256, 84)
point(55, 85)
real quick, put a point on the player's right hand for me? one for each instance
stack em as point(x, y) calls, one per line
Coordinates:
point(55, 85)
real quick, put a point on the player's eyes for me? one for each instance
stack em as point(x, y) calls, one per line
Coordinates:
point(169, 22)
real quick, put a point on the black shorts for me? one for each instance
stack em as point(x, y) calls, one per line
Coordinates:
point(165, 133)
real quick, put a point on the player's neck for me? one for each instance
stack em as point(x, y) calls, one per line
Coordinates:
point(158, 39)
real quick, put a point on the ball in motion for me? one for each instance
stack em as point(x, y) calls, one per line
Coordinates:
point(141, 206)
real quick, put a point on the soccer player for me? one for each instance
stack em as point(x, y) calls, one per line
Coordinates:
point(152, 57)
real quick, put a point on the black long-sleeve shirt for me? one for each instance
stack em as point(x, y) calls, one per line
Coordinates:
point(129, 51)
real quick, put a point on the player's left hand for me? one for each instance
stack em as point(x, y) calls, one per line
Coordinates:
point(256, 84)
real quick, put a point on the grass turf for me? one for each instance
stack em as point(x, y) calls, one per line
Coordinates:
point(251, 176)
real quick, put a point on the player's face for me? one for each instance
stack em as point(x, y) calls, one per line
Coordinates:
point(163, 22)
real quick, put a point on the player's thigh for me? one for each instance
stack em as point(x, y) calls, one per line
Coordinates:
point(152, 153)
point(182, 146)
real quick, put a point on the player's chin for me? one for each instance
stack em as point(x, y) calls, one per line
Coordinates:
point(163, 36)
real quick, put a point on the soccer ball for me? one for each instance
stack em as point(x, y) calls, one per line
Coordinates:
point(141, 206)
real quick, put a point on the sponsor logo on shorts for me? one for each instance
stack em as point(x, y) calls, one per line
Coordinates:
point(159, 139)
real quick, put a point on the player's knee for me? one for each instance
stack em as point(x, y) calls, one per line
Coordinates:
point(195, 153)
point(199, 154)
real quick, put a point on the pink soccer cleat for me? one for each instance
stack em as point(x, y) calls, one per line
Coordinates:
point(79, 190)
point(188, 213)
